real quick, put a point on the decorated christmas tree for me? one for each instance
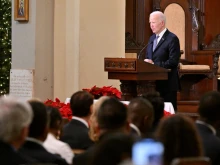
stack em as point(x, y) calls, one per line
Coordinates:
point(5, 45)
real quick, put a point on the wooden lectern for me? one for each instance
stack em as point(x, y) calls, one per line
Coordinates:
point(136, 76)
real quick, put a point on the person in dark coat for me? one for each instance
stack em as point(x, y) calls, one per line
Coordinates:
point(76, 132)
point(164, 51)
point(38, 130)
point(111, 118)
point(15, 118)
point(208, 123)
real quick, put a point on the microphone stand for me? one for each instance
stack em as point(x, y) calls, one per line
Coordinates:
point(139, 54)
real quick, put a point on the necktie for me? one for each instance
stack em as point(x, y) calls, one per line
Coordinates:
point(155, 42)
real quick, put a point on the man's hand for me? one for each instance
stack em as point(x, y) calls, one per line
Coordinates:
point(149, 61)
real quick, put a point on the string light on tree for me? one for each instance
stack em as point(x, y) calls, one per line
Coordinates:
point(5, 45)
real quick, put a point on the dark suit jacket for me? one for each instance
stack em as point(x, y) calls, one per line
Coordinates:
point(134, 133)
point(84, 158)
point(38, 152)
point(9, 156)
point(87, 157)
point(166, 55)
point(76, 134)
point(211, 143)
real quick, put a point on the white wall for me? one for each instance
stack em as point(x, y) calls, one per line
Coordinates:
point(23, 40)
point(65, 42)
point(102, 34)
point(32, 45)
point(87, 32)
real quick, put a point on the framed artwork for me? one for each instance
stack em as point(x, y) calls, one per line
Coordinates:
point(21, 10)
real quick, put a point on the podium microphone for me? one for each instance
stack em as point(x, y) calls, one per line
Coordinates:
point(139, 54)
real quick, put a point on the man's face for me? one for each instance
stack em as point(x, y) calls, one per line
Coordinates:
point(156, 24)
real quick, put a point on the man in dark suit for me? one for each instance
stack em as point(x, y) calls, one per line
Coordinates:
point(33, 146)
point(207, 124)
point(158, 106)
point(141, 116)
point(164, 51)
point(76, 132)
point(111, 118)
point(15, 118)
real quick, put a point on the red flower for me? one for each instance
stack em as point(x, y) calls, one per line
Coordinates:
point(64, 109)
point(165, 114)
point(104, 91)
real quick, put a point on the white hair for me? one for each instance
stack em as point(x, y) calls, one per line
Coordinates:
point(14, 116)
point(99, 102)
point(161, 15)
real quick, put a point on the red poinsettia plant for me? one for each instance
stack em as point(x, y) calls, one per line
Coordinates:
point(104, 91)
point(165, 114)
point(64, 109)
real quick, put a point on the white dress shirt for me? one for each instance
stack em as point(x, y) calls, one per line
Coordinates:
point(161, 35)
point(55, 146)
point(34, 140)
point(135, 128)
point(81, 120)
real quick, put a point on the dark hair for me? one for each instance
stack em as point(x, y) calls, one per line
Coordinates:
point(80, 103)
point(55, 117)
point(113, 149)
point(158, 104)
point(138, 109)
point(112, 114)
point(40, 119)
point(179, 137)
point(209, 106)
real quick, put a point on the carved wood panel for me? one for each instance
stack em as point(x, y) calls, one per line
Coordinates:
point(193, 21)
point(137, 30)
point(212, 21)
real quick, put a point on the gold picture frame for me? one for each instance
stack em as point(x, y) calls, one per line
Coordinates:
point(21, 10)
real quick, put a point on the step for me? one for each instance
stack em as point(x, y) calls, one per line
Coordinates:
point(187, 106)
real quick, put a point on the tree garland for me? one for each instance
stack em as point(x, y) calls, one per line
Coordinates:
point(5, 45)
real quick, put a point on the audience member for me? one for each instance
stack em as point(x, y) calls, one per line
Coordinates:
point(15, 118)
point(208, 122)
point(158, 105)
point(179, 137)
point(141, 116)
point(52, 144)
point(76, 132)
point(38, 130)
point(111, 118)
point(114, 149)
point(93, 132)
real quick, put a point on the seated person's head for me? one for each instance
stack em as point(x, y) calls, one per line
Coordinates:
point(39, 126)
point(93, 118)
point(141, 114)
point(112, 150)
point(55, 121)
point(112, 116)
point(158, 105)
point(15, 118)
point(209, 108)
point(179, 137)
point(81, 104)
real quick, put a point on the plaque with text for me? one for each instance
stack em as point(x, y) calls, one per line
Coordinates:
point(22, 83)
